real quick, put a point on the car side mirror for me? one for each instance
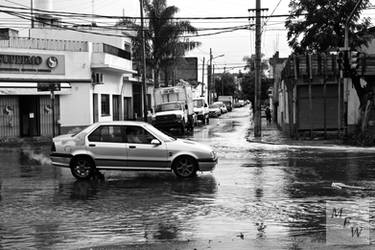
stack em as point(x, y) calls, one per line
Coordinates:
point(155, 142)
point(205, 105)
point(186, 106)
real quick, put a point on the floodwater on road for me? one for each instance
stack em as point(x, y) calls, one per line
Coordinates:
point(261, 195)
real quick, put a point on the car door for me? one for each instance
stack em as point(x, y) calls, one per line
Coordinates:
point(142, 155)
point(107, 145)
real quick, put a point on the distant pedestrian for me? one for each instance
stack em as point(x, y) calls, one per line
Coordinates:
point(268, 115)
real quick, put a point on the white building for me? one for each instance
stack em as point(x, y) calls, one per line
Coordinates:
point(92, 70)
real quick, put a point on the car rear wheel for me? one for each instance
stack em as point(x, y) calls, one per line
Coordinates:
point(185, 167)
point(82, 167)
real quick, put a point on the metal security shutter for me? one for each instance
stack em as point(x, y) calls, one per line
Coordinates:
point(9, 116)
point(46, 115)
point(323, 108)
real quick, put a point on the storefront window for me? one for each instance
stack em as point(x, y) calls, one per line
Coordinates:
point(105, 105)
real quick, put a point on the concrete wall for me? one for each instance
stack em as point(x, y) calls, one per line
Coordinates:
point(353, 107)
point(76, 109)
point(64, 34)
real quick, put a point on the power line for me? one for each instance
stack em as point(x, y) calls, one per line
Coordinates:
point(265, 22)
point(64, 13)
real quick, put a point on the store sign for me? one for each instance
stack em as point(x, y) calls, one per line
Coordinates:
point(45, 86)
point(32, 64)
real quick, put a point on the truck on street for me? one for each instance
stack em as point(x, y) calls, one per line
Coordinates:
point(201, 109)
point(227, 100)
point(173, 107)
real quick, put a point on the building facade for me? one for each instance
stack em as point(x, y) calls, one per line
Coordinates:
point(86, 70)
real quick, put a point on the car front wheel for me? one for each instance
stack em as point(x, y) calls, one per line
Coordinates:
point(185, 167)
point(82, 167)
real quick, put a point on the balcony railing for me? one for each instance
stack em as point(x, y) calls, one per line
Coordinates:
point(45, 44)
point(106, 48)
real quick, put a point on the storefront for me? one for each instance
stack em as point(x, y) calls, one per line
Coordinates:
point(88, 76)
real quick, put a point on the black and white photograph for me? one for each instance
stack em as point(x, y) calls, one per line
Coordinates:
point(187, 124)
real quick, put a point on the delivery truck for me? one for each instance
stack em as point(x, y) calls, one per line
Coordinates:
point(173, 107)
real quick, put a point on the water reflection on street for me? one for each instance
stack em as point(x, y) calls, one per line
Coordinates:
point(259, 193)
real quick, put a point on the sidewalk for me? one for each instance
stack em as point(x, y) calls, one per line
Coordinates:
point(270, 134)
point(25, 142)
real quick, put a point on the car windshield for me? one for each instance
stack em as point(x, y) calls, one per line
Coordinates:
point(214, 106)
point(159, 134)
point(198, 103)
point(168, 107)
point(78, 131)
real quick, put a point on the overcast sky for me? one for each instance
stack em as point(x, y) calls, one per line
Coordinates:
point(234, 45)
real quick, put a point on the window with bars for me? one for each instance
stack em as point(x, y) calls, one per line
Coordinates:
point(105, 105)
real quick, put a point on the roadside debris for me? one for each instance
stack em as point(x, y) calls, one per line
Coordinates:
point(340, 185)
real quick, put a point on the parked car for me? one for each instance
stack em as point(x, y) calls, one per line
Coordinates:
point(223, 107)
point(201, 110)
point(237, 105)
point(214, 110)
point(129, 145)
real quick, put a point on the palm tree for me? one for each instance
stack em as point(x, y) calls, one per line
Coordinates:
point(163, 36)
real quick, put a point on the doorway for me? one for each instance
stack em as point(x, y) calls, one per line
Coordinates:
point(95, 108)
point(29, 116)
point(116, 107)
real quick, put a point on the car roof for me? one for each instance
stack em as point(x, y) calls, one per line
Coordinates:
point(138, 123)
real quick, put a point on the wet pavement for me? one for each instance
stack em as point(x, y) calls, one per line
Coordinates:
point(264, 194)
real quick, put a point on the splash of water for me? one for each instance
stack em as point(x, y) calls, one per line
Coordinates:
point(38, 157)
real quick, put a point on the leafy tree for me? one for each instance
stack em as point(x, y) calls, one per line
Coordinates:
point(164, 35)
point(248, 79)
point(318, 25)
point(248, 87)
point(225, 84)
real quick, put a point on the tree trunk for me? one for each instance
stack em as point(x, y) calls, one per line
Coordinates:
point(156, 77)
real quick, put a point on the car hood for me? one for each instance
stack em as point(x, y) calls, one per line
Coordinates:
point(182, 144)
point(170, 112)
point(63, 137)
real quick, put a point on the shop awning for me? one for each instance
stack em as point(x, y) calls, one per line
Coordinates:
point(30, 88)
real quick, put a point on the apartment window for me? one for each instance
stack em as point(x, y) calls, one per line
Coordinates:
point(97, 78)
point(105, 105)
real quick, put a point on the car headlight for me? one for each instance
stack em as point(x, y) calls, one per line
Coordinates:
point(213, 155)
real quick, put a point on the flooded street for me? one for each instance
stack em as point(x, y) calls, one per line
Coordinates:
point(270, 194)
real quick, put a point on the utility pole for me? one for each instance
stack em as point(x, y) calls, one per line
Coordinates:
point(209, 79)
point(213, 81)
point(257, 115)
point(202, 94)
point(143, 57)
point(32, 13)
point(53, 112)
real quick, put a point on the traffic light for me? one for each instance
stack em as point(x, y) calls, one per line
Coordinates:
point(354, 60)
point(340, 60)
point(343, 63)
